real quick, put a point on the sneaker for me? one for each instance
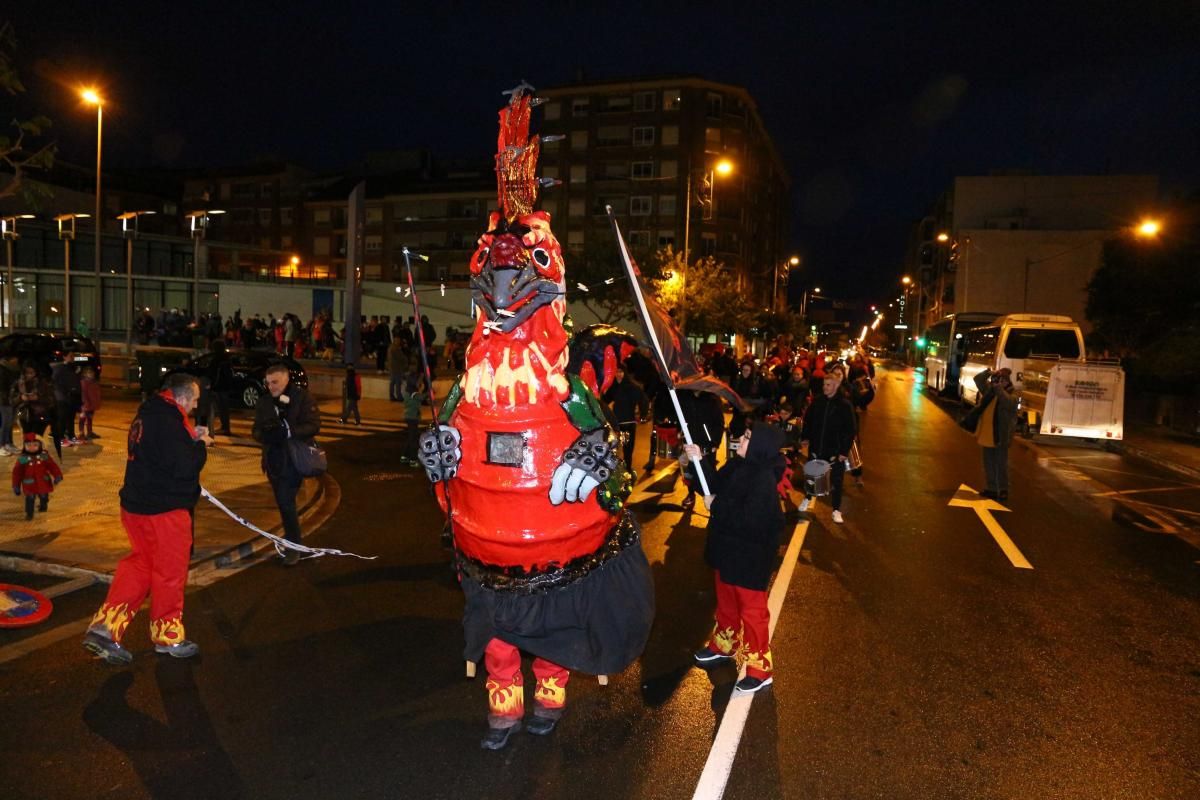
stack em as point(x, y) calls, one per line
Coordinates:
point(542, 725)
point(497, 738)
point(66, 443)
point(837, 517)
point(749, 685)
point(106, 649)
point(706, 655)
point(75, 440)
point(804, 504)
point(184, 649)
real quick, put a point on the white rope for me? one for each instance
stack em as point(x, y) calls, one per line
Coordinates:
point(281, 544)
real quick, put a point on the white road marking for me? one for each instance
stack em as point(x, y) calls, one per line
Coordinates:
point(1116, 492)
point(724, 749)
point(966, 497)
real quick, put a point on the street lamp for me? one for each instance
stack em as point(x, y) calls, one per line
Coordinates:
point(943, 237)
point(66, 232)
point(1149, 229)
point(199, 221)
point(130, 232)
point(788, 265)
point(8, 228)
point(92, 97)
point(724, 168)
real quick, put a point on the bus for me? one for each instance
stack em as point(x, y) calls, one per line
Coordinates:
point(944, 351)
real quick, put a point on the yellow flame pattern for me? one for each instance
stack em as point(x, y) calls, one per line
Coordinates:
point(113, 619)
point(505, 701)
point(166, 631)
point(725, 639)
point(759, 661)
point(549, 694)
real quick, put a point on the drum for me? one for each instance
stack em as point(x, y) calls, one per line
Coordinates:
point(817, 479)
point(855, 462)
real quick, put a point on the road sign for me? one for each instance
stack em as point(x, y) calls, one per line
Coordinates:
point(20, 606)
point(966, 497)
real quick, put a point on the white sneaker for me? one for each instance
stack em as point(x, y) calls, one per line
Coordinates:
point(805, 503)
point(837, 517)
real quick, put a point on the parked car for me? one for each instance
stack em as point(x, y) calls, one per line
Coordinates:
point(46, 347)
point(249, 373)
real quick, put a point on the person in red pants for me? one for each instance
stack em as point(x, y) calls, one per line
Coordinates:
point(162, 485)
point(506, 690)
point(743, 541)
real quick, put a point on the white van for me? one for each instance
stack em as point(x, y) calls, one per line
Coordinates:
point(1012, 339)
point(944, 351)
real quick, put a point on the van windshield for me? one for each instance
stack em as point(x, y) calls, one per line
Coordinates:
point(1026, 342)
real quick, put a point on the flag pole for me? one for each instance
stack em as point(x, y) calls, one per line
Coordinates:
point(412, 290)
point(635, 284)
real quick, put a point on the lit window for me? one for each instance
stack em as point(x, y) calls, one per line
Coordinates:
point(321, 216)
point(668, 169)
point(670, 135)
point(550, 172)
point(579, 173)
point(672, 100)
point(577, 207)
point(321, 246)
point(552, 110)
point(374, 215)
point(575, 239)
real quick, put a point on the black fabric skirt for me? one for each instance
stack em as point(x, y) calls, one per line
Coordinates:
point(598, 624)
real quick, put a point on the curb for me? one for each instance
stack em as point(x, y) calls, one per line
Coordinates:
point(1157, 460)
point(312, 516)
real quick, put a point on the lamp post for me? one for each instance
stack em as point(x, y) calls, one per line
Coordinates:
point(788, 265)
point(8, 227)
point(92, 97)
point(722, 167)
point(66, 232)
point(130, 232)
point(199, 227)
point(816, 290)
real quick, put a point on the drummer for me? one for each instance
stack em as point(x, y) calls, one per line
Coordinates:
point(828, 433)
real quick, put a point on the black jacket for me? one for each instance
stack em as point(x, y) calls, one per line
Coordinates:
point(829, 426)
point(276, 422)
point(629, 402)
point(162, 472)
point(747, 520)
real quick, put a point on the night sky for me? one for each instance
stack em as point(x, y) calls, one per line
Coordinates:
point(873, 111)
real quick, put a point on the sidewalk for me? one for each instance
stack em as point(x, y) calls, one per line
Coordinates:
point(1173, 451)
point(82, 534)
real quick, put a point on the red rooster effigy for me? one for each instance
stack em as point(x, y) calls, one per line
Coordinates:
point(527, 465)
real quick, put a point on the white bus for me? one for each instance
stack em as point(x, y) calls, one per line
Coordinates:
point(944, 349)
point(1010, 340)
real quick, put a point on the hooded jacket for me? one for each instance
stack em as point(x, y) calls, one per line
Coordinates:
point(35, 473)
point(162, 472)
point(747, 520)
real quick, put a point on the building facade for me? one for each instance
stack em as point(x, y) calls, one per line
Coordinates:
point(1021, 243)
point(640, 145)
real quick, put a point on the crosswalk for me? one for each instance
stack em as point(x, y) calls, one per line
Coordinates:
point(332, 428)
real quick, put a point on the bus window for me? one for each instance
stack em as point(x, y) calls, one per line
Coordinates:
point(1026, 342)
point(981, 344)
point(937, 337)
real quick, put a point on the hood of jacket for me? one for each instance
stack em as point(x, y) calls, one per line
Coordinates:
point(765, 442)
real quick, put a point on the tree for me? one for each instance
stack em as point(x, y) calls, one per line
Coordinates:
point(706, 288)
point(598, 267)
point(22, 151)
point(1144, 305)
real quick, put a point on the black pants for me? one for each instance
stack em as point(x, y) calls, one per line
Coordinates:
point(411, 438)
point(630, 429)
point(286, 486)
point(221, 401)
point(66, 420)
point(350, 406)
point(42, 506)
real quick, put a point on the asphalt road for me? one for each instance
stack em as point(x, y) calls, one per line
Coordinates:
point(913, 660)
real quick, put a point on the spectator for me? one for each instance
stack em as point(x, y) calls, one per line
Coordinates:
point(9, 374)
point(68, 399)
point(629, 405)
point(291, 334)
point(412, 419)
point(285, 412)
point(397, 362)
point(32, 398)
point(220, 382)
point(351, 394)
point(35, 475)
point(162, 485)
point(89, 389)
point(996, 427)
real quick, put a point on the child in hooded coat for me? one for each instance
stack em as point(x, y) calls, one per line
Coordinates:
point(743, 540)
point(35, 475)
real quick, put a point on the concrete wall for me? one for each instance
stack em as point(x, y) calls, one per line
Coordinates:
point(1068, 202)
point(993, 267)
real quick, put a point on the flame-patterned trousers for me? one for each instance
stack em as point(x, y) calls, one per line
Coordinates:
point(506, 690)
point(743, 627)
point(157, 565)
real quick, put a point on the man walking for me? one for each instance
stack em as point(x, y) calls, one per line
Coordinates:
point(285, 412)
point(829, 428)
point(162, 484)
point(629, 404)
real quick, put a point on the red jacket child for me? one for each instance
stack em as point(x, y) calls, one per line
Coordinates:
point(35, 472)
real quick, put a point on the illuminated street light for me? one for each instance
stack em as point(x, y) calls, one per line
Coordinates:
point(906, 280)
point(199, 221)
point(66, 232)
point(724, 167)
point(92, 97)
point(130, 232)
point(8, 229)
point(794, 261)
point(943, 237)
point(1149, 228)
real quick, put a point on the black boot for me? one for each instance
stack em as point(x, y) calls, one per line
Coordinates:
point(497, 738)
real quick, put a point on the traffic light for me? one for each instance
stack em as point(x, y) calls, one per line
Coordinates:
point(921, 342)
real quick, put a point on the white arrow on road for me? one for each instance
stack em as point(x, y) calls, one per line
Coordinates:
point(966, 497)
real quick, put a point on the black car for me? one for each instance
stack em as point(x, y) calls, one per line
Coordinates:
point(249, 369)
point(44, 348)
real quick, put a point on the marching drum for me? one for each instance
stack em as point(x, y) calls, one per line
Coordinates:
point(817, 479)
